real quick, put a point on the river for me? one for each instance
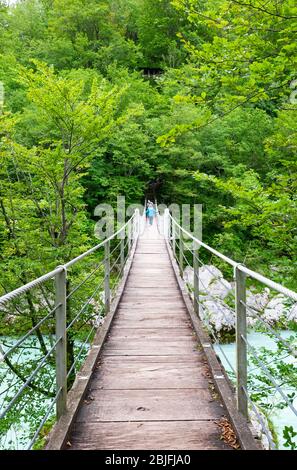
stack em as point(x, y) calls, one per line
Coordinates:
point(279, 418)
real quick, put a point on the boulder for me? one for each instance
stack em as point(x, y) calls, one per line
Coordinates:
point(218, 315)
point(258, 301)
point(207, 275)
point(189, 276)
point(220, 288)
point(292, 314)
point(276, 309)
point(211, 281)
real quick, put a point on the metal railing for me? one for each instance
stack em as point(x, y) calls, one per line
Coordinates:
point(58, 324)
point(176, 237)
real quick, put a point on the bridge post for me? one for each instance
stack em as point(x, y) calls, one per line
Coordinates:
point(129, 236)
point(166, 225)
point(122, 246)
point(173, 238)
point(181, 251)
point(136, 225)
point(107, 276)
point(196, 277)
point(61, 348)
point(241, 347)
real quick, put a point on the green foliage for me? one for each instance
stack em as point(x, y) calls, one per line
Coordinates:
point(289, 434)
point(81, 124)
point(42, 438)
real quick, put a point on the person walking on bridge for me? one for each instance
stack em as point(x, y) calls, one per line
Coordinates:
point(150, 213)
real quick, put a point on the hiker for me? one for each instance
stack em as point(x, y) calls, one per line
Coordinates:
point(150, 212)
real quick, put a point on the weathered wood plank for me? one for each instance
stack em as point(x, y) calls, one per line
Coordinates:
point(145, 291)
point(150, 405)
point(187, 359)
point(151, 310)
point(129, 319)
point(152, 374)
point(148, 334)
point(169, 435)
point(147, 348)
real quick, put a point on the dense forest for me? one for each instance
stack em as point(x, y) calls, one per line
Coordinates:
point(108, 98)
point(100, 97)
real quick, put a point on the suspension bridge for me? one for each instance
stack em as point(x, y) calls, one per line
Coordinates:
point(147, 376)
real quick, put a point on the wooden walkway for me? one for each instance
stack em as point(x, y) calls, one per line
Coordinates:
point(151, 387)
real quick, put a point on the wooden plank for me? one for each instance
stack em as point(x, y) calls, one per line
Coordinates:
point(162, 283)
point(159, 306)
point(152, 250)
point(155, 301)
point(148, 347)
point(149, 405)
point(187, 359)
point(152, 270)
point(152, 310)
point(169, 435)
point(152, 374)
point(157, 261)
point(181, 333)
point(146, 297)
point(143, 320)
point(150, 257)
point(153, 278)
point(169, 291)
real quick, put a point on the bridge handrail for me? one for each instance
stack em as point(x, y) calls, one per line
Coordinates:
point(40, 280)
point(174, 230)
point(240, 266)
point(131, 231)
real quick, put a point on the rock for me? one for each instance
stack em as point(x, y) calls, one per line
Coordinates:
point(258, 428)
point(292, 314)
point(258, 301)
point(207, 275)
point(276, 309)
point(220, 288)
point(213, 289)
point(97, 305)
point(211, 281)
point(189, 276)
point(218, 315)
point(98, 321)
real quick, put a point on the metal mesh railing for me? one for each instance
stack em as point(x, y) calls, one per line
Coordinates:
point(59, 314)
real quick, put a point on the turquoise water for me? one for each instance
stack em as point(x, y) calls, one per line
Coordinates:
point(30, 409)
point(279, 418)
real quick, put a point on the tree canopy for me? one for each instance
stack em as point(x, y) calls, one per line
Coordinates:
point(102, 96)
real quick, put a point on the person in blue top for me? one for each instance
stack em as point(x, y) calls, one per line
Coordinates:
point(150, 213)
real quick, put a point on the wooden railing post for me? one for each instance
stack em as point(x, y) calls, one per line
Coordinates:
point(107, 276)
point(196, 276)
point(241, 347)
point(61, 348)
